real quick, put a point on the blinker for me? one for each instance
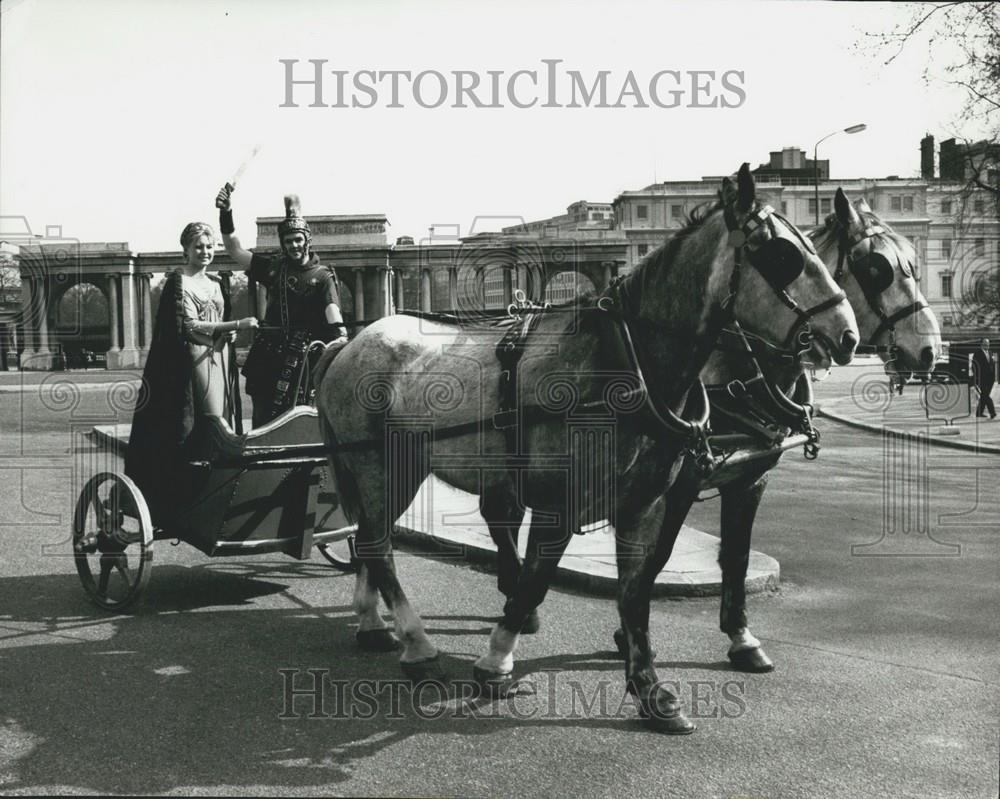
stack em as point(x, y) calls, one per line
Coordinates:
point(779, 261)
point(873, 273)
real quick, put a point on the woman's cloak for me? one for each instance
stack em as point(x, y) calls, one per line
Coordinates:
point(165, 412)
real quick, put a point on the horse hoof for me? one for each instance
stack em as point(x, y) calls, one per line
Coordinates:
point(661, 711)
point(753, 661)
point(493, 683)
point(532, 624)
point(621, 643)
point(426, 670)
point(378, 640)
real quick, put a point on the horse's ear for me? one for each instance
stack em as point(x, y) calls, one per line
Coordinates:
point(846, 214)
point(863, 207)
point(728, 192)
point(747, 188)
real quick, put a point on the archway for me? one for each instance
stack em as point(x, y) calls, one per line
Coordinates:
point(567, 285)
point(80, 322)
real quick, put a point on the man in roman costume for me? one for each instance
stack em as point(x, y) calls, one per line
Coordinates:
point(303, 305)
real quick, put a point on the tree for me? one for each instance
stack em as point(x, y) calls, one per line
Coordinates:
point(963, 44)
point(10, 280)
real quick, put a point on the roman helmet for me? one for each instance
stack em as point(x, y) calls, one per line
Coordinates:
point(294, 222)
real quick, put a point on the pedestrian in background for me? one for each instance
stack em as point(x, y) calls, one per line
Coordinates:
point(984, 370)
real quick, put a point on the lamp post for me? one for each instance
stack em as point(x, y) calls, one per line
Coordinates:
point(851, 129)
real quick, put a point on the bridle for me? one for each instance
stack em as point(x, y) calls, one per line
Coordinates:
point(779, 271)
point(740, 236)
point(867, 281)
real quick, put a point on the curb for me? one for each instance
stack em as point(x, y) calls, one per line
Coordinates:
point(82, 387)
point(594, 577)
point(985, 449)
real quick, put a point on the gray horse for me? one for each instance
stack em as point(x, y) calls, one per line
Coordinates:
point(409, 397)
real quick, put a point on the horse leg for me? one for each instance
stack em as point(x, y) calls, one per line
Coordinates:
point(546, 544)
point(380, 490)
point(636, 574)
point(739, 509)
point(419, 659)
point(373, 633)
point(503, 514)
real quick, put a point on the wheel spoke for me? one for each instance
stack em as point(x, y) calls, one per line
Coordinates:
point(121, 563)
point(107, 564)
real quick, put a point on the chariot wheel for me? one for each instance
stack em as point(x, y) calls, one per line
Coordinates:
point(340, 554)
point(112, 541)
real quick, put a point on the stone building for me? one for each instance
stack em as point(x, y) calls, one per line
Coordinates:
point(376, 278)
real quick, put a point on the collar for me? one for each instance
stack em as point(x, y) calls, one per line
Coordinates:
point(311, 262)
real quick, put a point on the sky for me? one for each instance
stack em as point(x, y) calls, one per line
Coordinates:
point(120, 120)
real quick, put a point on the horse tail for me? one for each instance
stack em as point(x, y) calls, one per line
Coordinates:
point(347, 486)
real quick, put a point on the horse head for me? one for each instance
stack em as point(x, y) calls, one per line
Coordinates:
point(877, 269)
point(778, 287)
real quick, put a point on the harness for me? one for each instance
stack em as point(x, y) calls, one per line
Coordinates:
point(660, 421)
point(775, 266)
point(874, 274)
point(779, 269)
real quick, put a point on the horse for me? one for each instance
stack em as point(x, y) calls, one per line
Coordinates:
point(881, 285)
point(394, 408)
point(876, 267)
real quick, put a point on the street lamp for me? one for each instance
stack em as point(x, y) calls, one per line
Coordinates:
point(851, 129)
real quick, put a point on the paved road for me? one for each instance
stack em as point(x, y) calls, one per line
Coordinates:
point(887, 678)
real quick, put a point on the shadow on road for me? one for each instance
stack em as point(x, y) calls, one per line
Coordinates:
point(189, 691)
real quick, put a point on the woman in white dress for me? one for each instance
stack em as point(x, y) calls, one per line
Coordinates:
point(189, 385)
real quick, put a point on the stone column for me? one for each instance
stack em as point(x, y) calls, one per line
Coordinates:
point(147, 312)
point(359, 295)
point(425, 290)
point(508, 288)
point(43, 357)
point(252, 297)
point(261, 292)
point(400, 305)
point(385, 290)
point(113, 317)
point(128, 358)
point(452, 288)
point(605, 276)
point(28, 318)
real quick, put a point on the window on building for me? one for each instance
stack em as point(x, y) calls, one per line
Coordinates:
point(824, 205)
point(676, 211)
point(643, 249)
point(812, 206)
point(895, 203)
point(642, 212)
point(980, 246)
point(978, 206)
point(908, 203)
point(945, 206)
point(946, 249)
point(947, 320)
point(946, 286)
point(784, 208)
point(980, 320)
